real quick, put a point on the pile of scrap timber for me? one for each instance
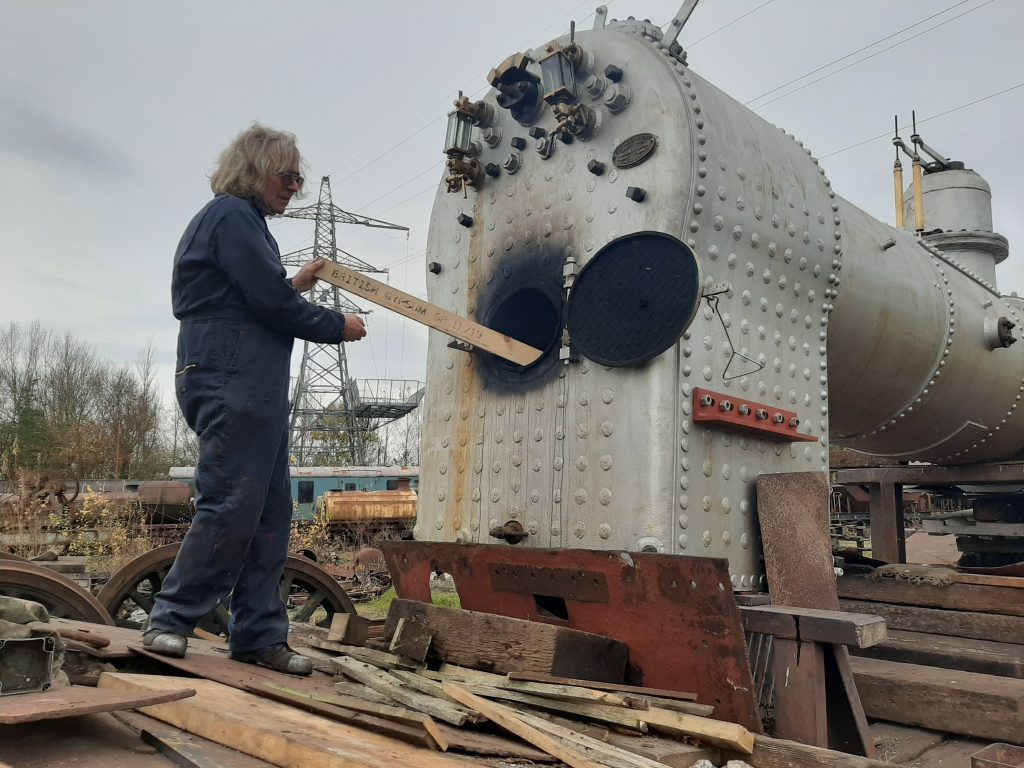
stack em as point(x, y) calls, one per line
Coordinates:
point(954, 658)
point(432, 687)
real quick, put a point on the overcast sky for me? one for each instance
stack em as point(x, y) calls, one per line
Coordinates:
point(112, 113)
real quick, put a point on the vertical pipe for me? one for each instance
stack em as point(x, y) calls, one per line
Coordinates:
point(897, 175)
point(918, 196)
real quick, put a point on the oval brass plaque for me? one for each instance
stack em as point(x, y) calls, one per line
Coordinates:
point(634, 150)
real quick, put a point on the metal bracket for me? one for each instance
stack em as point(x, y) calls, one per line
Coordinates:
point(462, 346)
point(715, 289)
point(747, 415)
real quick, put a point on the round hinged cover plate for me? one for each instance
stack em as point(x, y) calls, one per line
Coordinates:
point(634, 299)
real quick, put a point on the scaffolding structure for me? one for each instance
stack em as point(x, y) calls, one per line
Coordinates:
point(324, 399)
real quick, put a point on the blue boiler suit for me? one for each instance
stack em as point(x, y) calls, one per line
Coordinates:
point(239, 316)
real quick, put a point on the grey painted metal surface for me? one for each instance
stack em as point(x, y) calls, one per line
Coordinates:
point(883, 344)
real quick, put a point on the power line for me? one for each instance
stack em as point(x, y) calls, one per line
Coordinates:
point(738, 18)
point(859, 61)
point(447, 98)
point(429, 110)
point(924, 120)
point(854, 53)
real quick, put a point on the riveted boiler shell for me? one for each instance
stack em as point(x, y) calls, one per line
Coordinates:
point(586, 455)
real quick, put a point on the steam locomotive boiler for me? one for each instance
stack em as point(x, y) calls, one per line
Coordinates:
point(709, 309)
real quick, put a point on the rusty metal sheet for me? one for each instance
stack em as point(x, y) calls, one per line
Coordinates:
point(792, 509)
point(568, 584)
point(677, 614)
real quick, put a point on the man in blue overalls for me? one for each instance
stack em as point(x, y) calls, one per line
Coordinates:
point(239, 316)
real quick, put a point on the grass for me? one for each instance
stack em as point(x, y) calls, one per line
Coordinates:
point(444, 596)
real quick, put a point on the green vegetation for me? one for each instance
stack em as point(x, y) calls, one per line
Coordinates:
point(444, 596)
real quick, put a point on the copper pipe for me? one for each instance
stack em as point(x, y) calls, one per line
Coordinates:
point(918, 196)
point(897, 175)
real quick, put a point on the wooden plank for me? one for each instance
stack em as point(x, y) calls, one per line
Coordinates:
point(195, 749)
point(380, 659)
point(409, 726)
point(780, 753)
point(81, 700)
point(967, 703)
point(888, 539)
point(632, 719)
point(348, 628)
point(360, 691)
point(429, 314)
point(799, 672)
point(956, 597)
point(382, 682)
point(720, 734)
point(1011, 582)
point(608, 754)
point(986, 657)
point(411, 640)
point(912, 618)
point(578, 692)
point(844, 628)
point(501, 644)
point(493, 744)
point(277, 733)
point(509, 720)
point(600, 686)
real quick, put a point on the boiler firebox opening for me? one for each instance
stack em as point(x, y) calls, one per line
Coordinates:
point(527, 315)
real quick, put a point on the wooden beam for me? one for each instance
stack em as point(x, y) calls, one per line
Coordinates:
point(781, 753)
point(834, 627)
point(968, 703)
point(429, 314)
point(501, 644)
point(968, 655)
point(913, 618)
point(888, 539)
point(391, 721)
point(956, 597)
point(800, 711)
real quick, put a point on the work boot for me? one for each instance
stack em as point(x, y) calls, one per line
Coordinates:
point(278, 657)
point(165, 643)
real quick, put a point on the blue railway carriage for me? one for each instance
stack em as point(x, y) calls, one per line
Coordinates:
point(309, 484)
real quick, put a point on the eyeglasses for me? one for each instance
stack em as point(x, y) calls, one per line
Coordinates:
point(288, 178)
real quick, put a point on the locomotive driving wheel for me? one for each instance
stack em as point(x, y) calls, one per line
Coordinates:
point(61, 597)
point(310, 593)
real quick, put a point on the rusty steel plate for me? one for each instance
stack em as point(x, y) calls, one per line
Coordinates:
point(677, 614)
point(793, 507)
point(568, 584)
point(633, 299)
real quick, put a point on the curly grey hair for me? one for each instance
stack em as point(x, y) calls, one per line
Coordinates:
point(256, 153)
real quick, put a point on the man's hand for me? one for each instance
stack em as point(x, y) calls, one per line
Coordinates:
point(306, 277)
point(355, 328)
